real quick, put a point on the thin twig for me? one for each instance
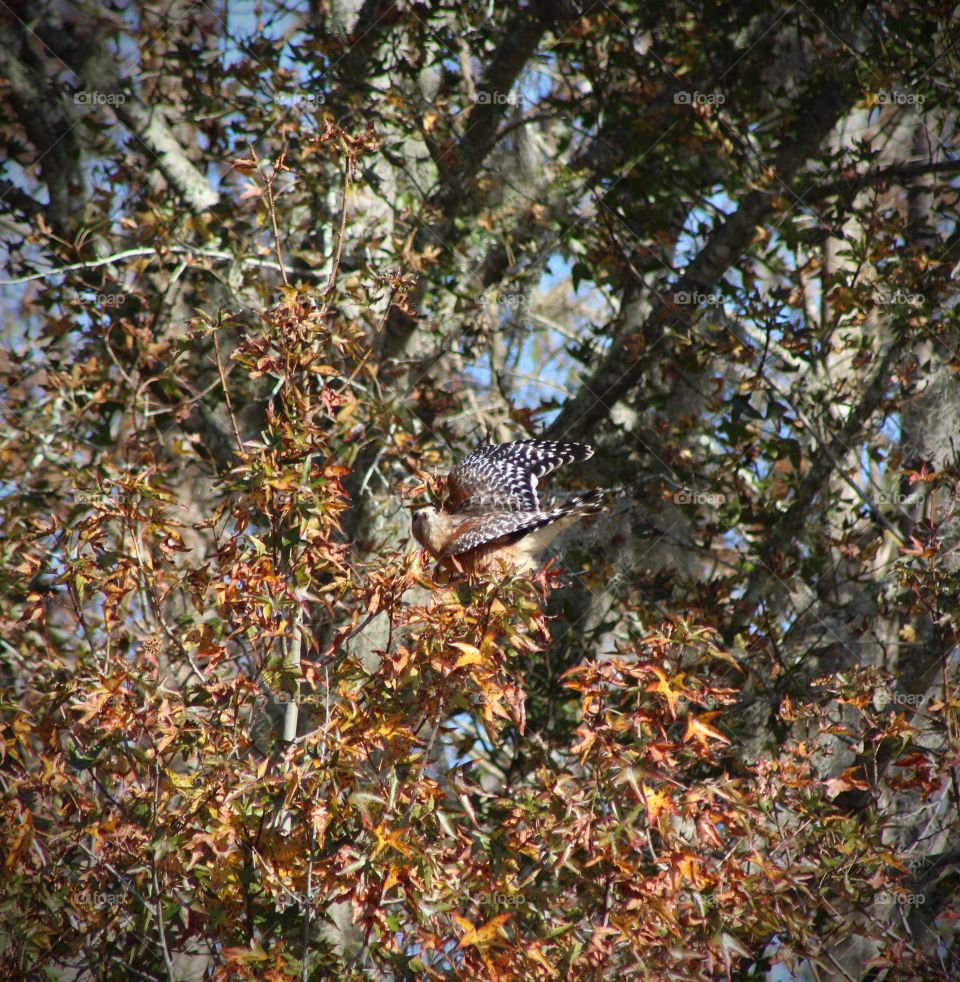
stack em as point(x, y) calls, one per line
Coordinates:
point(335, 266)
point(841, 472)
point(158, 613)
point(426, 760)
point(329, 658)
point(161, 930)
point(226, 391)
point(217, 254)
point(308, 906)
point(272, 207)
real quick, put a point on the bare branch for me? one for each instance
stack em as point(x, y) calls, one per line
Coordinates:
point(620, 371)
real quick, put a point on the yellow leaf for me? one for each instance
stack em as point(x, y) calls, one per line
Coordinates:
point(182, 782)
point(484, 935)
point(538, 956)
point(467, 649)
point(688, 869)
point(471, 654)
point(254, 953)
point(656, 802)
point(699, 729)
point(391, 880)
point(670, 688)
point(389, 839)
point(724, 655)
point(469, 658)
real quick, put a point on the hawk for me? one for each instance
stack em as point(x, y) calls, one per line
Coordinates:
point(492, 509)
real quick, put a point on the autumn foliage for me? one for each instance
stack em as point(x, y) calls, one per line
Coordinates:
point(151, 808)
point(249, 731)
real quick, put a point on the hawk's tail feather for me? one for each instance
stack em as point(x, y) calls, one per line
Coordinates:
point(588, 503)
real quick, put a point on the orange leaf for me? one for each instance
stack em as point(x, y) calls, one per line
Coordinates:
point(670, 688)
point(471, 655)
point(846, 782)
point(391, 880)
point(656, 802)
point(481, 936)
point(538, 956)
point(699, 729)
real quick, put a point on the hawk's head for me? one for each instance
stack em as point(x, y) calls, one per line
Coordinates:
point(424, 522)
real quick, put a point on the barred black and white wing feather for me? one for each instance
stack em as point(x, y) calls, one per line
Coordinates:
point(493, 507)
point(504, 476)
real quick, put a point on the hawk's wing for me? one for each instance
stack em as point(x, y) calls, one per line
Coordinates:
point(499, 529)
point(503, 477)
point(492, 529)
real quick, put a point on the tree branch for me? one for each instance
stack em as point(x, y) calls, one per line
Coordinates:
point(620, 370)
point(822, 465)
point(899, 170)
point(97, 71)
point(40, 110)
point(149, 126)
point(520, 44)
